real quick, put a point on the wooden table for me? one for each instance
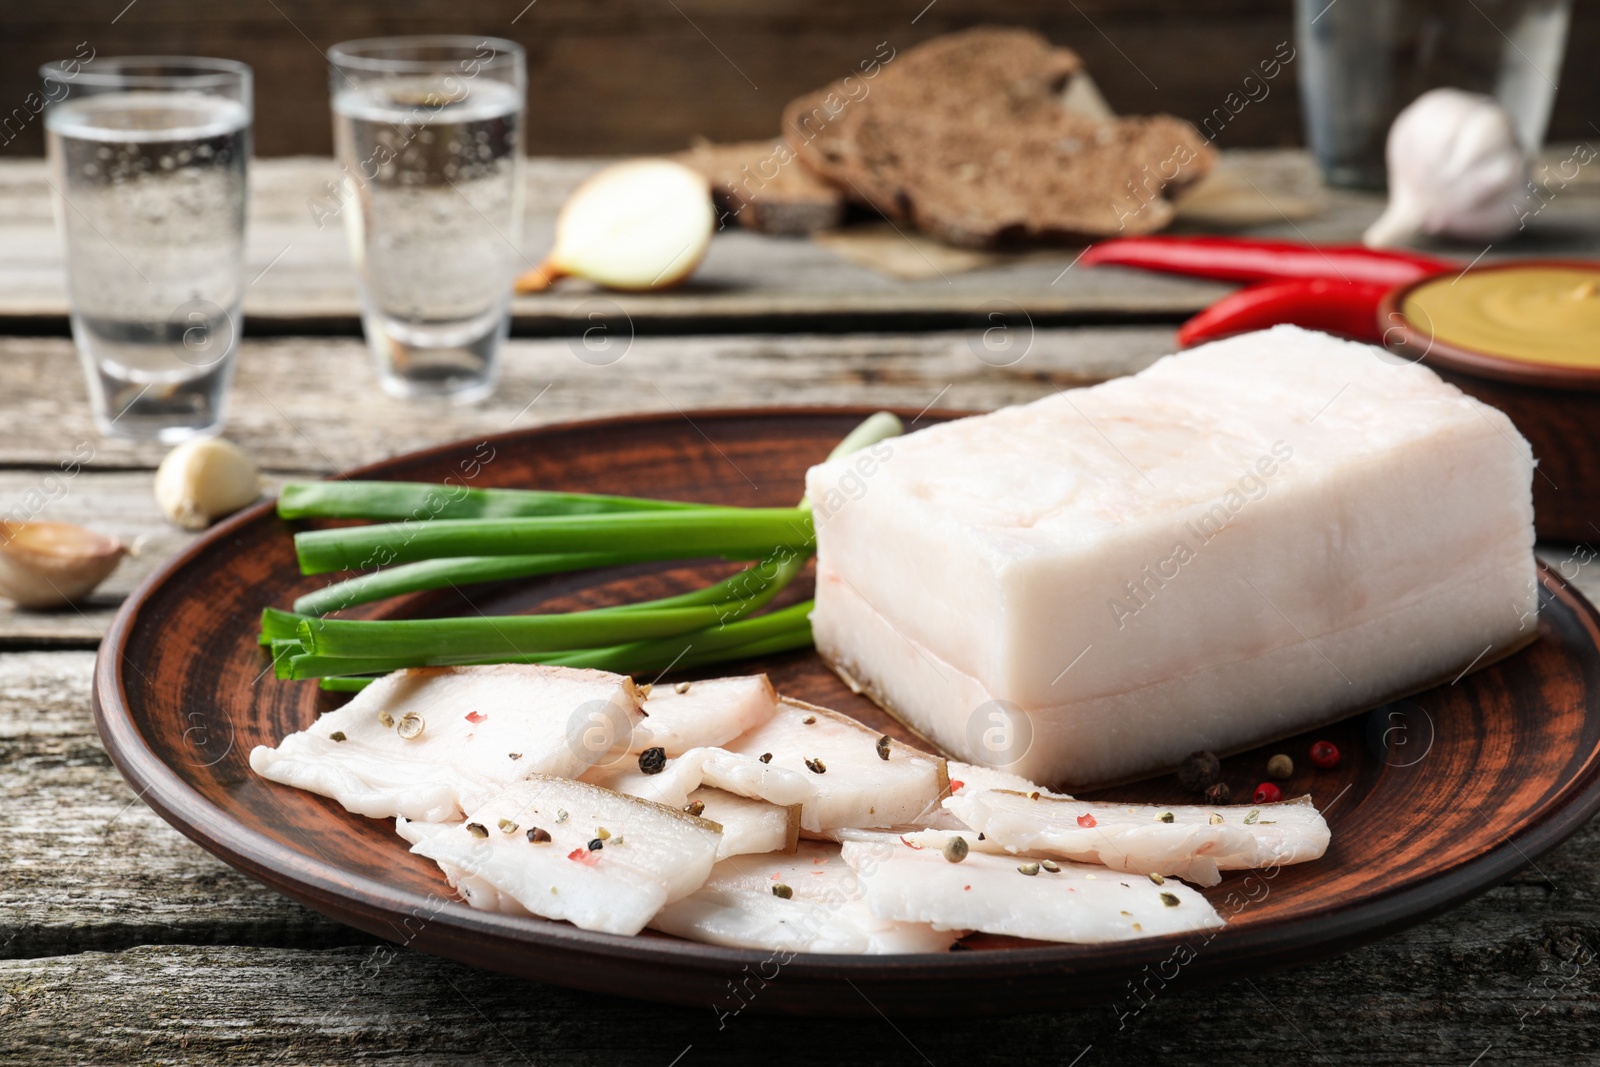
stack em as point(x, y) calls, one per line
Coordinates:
point(124, 943)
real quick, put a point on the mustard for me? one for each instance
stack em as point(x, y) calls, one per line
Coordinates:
point(1534, 313)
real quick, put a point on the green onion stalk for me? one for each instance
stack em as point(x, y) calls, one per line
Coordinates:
point(475, 535)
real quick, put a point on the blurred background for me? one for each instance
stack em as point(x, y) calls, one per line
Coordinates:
point(612, 77)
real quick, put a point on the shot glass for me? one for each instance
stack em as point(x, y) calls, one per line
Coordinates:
point(148, 162)
point(428, 132)
point(1362, 61)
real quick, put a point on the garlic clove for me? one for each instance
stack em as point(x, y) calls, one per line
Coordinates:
point(644, 224)
point(204, 479)
point(49, 564)
point(1456, 170)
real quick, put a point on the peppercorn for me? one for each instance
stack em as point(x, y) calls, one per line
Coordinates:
point(1218, 793)
point(883, 746)
point(696, 807)
point(782, 892)
point(1169, 899)
point(477, 829)
point(1165, 816)
point(337, 735)
point(1267, 793)
point(596, 845)
point(956, 849)
point(653, 760)
point(1280, 767)
point(1029, 869)
point(816, 766)
point(537, 836)
point(1199, 770)
point(765, 757)
point(1325, 754)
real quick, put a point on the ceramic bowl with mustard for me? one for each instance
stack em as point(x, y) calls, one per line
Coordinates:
point(1523, 336)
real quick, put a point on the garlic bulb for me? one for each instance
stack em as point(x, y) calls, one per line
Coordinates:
point(1455, 170)
point(644, 224)
point(49, 564)
point(205, 479)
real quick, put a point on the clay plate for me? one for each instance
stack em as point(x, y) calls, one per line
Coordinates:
point(1437, 798)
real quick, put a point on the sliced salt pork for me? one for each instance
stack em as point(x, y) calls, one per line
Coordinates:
point(809, 902)
point(1018, 897)
point(1187, 841)
point(1239, 543)
point(433, 743)
point(852, 776)
point(569, 850)
point(703, 713)
point(750, 827)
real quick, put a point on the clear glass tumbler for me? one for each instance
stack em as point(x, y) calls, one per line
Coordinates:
point(148, 160)
point(428, 132)
point(1362, 61)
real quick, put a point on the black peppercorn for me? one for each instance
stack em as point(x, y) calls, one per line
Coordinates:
point(1218, 793)
point(1200, 770)
point(653, 760)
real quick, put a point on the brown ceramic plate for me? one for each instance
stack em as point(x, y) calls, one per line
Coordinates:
point(1437, 798)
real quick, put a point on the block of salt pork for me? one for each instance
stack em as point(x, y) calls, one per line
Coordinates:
point(433, 743)
point(1241, 542)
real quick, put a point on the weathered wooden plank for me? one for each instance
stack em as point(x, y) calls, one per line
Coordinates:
point(87, 865)
point(311, 404)
point(301, 272)
point(1509, 976)
point(634, 75)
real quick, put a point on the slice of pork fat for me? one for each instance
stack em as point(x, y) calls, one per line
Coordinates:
point(610, 861)
point(1078, 903)
point(1187, 841)
point(704, 713)
point(433, 743)
point(852, 776)
point(817, 907)
point(474, 890)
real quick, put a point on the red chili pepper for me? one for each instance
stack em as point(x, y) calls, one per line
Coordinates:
point(1344, 308)
point(1235, 259)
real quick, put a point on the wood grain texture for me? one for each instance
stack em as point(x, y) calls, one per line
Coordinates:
point(1511, 974)
point(301, 276)
point(88, 867)
point(1490, 770)
point(631, 75)
point(310, 404)
point(1514, 969)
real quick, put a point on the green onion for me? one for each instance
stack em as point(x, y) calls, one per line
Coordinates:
point(735, 533)
point(453, 536)
point(437, 573)
point(431, 639)
point(341, 683)
point(789, 628)
point(397, 501)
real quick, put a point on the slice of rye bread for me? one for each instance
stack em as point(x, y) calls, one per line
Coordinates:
point(761, 186)
point(966, 138)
